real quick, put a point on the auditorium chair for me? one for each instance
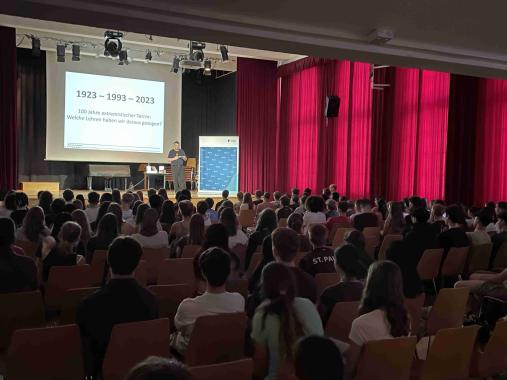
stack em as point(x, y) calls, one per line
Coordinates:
point(236, 370)
point(246, 218)
point(238, 286)
point(19, 310)
point(325, 280)
point(154, 258)
point(414, 308)
point(70, 301)
point(449, 356)
point(62, 278)
point(448, 311)
point(216, 339)
point(340, 321)
point(386, 244)
point(429, 265)
point(190, 251)
point(371, 240)
point(454, 263)
point(478, 259)
point(500, 261)
point(170, 296)
point(339, 236)
point(98, 266)
point(254, 263)
point(386, 359)
point(176, 271)
point(30, 248)
point(491, 361)
point(133, 342)
point(50, 353)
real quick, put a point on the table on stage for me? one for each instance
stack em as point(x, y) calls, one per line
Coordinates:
point(167, 175)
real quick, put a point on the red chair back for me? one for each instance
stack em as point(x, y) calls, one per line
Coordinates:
point(340, 321)
point(176, 271)
point(71, 300)
point(169, 298)
point(237, 370)
point(63, 278)
point(97, 267)
point(154, 258)
point(50, 353)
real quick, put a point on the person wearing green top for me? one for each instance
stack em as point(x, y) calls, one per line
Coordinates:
point(281, 320)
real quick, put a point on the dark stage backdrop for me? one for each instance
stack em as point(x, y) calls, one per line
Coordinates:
point(208, 108)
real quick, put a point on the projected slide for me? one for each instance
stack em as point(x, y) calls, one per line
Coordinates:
point(218, 164)
point(113, 113)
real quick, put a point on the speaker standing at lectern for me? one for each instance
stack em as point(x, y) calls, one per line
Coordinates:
point(177, 159)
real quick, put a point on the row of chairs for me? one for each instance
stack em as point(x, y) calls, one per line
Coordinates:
point(55, 352)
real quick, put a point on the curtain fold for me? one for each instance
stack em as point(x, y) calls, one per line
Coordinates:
point(256, 105)
point(8, 126)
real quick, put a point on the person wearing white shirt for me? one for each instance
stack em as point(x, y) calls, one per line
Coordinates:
point(480, 236)
point(215, 266)
point(382, 314)
point(92, 209)
point(230, 221)
point(150, 236)
point(126, 204)
point(315, 214)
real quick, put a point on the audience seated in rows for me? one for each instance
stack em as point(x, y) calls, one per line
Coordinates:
point(215, 264)
point(121, 300)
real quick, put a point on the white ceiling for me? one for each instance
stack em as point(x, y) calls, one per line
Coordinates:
point(91, 40)
point(463, 36)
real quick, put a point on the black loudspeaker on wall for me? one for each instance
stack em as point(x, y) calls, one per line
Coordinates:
point(332, 106)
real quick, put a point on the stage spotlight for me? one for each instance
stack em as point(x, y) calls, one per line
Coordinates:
point(112, 45)
point(123, 58)
point(207, 67)
point(60, 53)
point(224, 52)
point(176, 65)
point(35, 47)
point(76, 52)
point(196, 50)
point(148, 56)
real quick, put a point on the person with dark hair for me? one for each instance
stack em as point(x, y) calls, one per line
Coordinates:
point(80, 218)
point(247, 203)
point(149, 235)
point(178, 229)
point(18, 214)
point(499, 238)
point(318, 358)
point(326, 194)
point(395, 221)
point(281, 319)
point(156, 202)
point(215, 264)
point(381, 208)
point(258, 197)
point(237, 205)
point(364, 217)
point(455, 236)
point(10, 204)
point(314, 214)
point(340, 220)
point(277, 195)
point(382, 314)
point(163, 193)
point(295, 223)
point(266, 224)
point(294, 202)
point(331, 208)
point(126, 205)
point(194, 237)
point(178, 159)
point(225, 197)
point(121, 300)
point(321, 258)
point(106, 197)
point(230, 221)
point(63, 251)
point(81, 198)
point(116, 196)
point(17, 273)
point(77, 204)
point(407, 252)
point(141, 209)
point(104, 206)
point(301, 209)
point(213, 215)
point(285, 210)
point(45, 200)
point(107, 231)
point(93, 206)
point(266, 203)
point(34, 227)
point(285, 248)
point(68, 195)
point(167, 216)
point(151, 191)
point(202, 208)
point(307, 191)
point(352, 272)
point(158, 368)
point(480, 222)
point(437, 218)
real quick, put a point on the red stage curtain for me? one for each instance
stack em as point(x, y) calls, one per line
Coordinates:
point(256, 99)
point(8, 133)
point(491, 141)
point(314, 151)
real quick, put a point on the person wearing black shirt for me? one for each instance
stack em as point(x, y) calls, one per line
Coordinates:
point(407, 252)
point(321, 258)
point(225, 197)
point(177, 159)
point(455, 236)
point(122, 300)
point(500, 238)
point(285, 210)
